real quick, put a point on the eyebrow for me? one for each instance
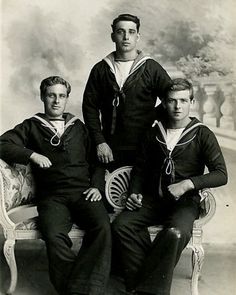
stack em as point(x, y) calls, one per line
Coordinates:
point(124, 29)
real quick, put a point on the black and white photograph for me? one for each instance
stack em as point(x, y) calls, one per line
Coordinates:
point(117, 147)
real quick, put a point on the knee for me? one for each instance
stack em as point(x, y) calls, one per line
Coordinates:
point(178, 234)
point(55, 237)
point(119, 226)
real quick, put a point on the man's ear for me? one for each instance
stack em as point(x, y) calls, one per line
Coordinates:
point(193, 101)
point(138, 36)
point(112, 37)
point(41, 97)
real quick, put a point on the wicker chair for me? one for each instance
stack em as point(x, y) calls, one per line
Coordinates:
point(116, 192)
point(18, 214)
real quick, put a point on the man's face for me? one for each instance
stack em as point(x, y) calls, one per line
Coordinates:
point(55, 101)
point(178, 106)
point(125, 36)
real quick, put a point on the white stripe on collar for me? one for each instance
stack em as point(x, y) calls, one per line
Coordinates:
point(163, 132)
point(51, 127)
point(190, 128)
point(110, 61)
point(162, 129)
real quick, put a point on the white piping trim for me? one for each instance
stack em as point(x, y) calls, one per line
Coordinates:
point(110, 64)
point(53, 129)
point(190, 128)
point(177, 144)
point(137, 66)
point(71, 122)
point(45, 123)
point(160, 141)
point(163, 132)
point(162, 129)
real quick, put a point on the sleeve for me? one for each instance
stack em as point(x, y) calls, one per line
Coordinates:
point(13, 144)
point(214, 161)
point(140, 168)
point(91, 106)
point(96, 169)
point(161, 80)
point(160, 113)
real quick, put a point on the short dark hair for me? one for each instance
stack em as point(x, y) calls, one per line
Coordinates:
point(179, 84)
point(53, 80)
point(126, 17)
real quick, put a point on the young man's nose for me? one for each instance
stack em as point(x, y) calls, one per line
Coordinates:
point(56, 100)
point(177, 105)
point(126, 36)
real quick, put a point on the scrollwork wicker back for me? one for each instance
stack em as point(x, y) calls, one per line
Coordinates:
point(117, 185)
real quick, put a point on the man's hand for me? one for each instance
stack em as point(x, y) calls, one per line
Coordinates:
point(40, 160)
point(104, 153)
point(134, 202)
point(178, 189)
point(93, 194)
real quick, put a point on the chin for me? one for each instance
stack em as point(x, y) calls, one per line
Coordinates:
point(125, 49)
point(55, 115)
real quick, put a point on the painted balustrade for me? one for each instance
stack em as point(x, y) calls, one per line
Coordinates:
point(215, 106)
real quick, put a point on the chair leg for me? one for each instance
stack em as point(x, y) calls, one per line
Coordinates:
point(197, 262)
point(8, 250)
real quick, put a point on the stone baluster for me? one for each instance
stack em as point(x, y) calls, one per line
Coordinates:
point(210, 107)
point(194, 109)
point(227, 108)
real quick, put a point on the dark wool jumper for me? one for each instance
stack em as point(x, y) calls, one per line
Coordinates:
point(125, 113)
point(61, 202)
point(72, 169)
point(196, 149)
point(148, 266)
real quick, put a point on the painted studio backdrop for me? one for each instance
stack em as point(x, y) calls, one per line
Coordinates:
point(196, 39)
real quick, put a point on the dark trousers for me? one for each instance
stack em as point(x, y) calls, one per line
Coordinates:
point(148, 266)
point(87, 272)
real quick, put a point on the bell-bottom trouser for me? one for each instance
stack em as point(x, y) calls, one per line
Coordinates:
point(148, 266)
point(87, 272)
